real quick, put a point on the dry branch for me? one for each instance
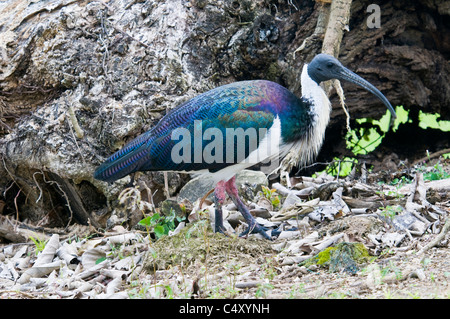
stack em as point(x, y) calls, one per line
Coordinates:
point(437, 239)
point(337, 23)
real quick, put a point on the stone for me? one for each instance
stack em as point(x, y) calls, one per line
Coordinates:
point(197, 187)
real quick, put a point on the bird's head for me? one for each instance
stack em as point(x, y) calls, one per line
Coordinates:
point(326, 67)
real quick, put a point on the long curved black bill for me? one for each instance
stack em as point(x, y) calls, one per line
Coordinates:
point(348, 75)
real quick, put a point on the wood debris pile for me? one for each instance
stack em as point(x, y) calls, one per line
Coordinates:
point(313, 215)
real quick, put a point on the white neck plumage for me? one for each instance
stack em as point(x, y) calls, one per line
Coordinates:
point(309, 146)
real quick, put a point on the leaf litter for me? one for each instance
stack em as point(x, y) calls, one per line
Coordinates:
point(345, 238)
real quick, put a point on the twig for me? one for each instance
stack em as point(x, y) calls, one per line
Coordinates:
point(4, 125)
point(166, 185)
point(93, 229)
point(10, 175)
point(8, 188)
point(338, 171)
point(73, 119)
point(204, 198)
point(292, 4)
point(80, 133)
point(319, 31)
point(27, 295)
point(337, 24)
point(37, 184)
point(17, 209)
point(15, 198)
point(340, 93)
point(438, 238)
point(431, 156)
point(64, 195)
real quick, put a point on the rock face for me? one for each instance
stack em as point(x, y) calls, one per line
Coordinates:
point(198, 187)
point(80, 79)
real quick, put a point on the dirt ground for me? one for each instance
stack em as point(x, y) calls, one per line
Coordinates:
point(197, 263)
point(387, 278)
point(220, 267)
point(397, 273)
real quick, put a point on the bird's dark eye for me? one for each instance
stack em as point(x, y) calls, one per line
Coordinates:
point(319, 69)
point(330, 65)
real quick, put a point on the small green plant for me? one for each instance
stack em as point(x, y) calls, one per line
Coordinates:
point(390, 211)
point(116, 251)
point(141, 290)
point(338, 295)
point(271, 195)
point(269, 269)
point(391, 268)
point(233, 269)
point(297, 290)
point(388, 294)
point(220, 292)
point(415, 295)
point(437, 173)
point(168, 291)
point(339, 167)
point(40, 244)
point(399, 182)
point(369, 133)
point(432, 277)
point(263, 290)
point(425, 262)
point(160, 224)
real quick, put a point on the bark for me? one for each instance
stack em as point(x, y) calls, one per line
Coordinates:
point(336, 16)
point(78, 79)
point(337, 23)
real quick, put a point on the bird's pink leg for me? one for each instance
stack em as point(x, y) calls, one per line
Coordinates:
point(219, 199)
point(253, 226)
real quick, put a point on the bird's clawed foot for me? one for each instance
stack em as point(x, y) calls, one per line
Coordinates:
point(219, 229)
point(255, 229)
point(230, 188)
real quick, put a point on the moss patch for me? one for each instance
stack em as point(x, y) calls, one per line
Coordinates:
point(342, 257)
point(197, 243)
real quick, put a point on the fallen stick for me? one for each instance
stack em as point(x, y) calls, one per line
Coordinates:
point(437, 239)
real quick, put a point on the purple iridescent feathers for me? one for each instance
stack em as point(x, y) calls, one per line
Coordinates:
point(246, 104)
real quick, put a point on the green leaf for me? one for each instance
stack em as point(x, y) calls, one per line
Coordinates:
point(159, 231)
point(276, 201)
point(155, 218)
point(145, 221)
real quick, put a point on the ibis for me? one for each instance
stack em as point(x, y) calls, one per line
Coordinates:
point(232, 127)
